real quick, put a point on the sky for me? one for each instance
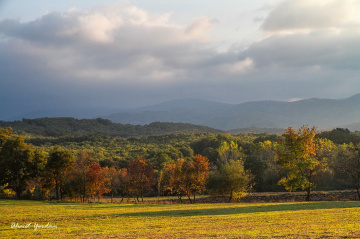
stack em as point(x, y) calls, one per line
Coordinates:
point(131, 53)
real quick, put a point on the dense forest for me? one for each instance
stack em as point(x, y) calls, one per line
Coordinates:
point(83, 164)
point(62, 126)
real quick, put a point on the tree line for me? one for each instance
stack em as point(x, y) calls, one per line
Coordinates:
point(182, 165)
point(67, 126)
point(80, 176)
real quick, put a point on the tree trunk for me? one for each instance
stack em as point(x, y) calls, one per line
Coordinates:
point(18, 193)
point(189, 196)
point(231, 196)
point(61, 189)
point(308, 190)
point(308, 194)
point(61, 194)
point(57, 189)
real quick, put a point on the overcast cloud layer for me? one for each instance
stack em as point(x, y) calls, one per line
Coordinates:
point(121, 56)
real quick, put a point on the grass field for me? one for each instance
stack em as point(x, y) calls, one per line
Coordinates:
point(18, 219)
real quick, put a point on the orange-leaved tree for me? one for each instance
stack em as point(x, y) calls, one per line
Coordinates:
point(187, 177)
point(201, 173)
point(141, 177)
point(111, 180)
point(173, 178)
point(96, 181)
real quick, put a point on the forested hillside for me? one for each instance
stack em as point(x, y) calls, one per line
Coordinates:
point(183, 164)
point(61, 126)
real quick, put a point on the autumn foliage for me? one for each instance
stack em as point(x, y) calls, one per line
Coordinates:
point(141, 177)
point(221, 165)
point(302, 155)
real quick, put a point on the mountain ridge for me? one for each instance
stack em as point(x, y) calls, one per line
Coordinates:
point(323, 113)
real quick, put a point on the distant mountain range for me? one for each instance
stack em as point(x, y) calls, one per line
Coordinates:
point(322, 113)
point(257, 116)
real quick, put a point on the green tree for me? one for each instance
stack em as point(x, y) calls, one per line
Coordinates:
point(229, 151)
point(231, 180)
point(340, 136)
point(19, 163)
point(4, 135)
point(261, 161)
point(348, 165)
point(323, 174)
point(59, 162)
point(257, 167)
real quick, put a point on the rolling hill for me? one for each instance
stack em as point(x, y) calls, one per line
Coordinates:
point(62, 126)
point(323, 113)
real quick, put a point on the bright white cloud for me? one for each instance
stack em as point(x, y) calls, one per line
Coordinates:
point(308, 14)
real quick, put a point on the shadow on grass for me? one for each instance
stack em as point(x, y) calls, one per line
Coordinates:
point(245, 209)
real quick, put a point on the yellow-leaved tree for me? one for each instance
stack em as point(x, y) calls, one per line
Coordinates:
point(303, 156)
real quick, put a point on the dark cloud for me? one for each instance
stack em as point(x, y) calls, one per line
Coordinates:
point(311, 50)
point(317, 49)
point(121, 57)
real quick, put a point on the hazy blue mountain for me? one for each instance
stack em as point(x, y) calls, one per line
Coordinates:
point(323, 113)
point(183, 104)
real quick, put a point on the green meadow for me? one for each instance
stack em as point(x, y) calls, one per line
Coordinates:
point(19, 219)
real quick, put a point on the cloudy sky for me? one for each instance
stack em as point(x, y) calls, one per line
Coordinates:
point(130, 53)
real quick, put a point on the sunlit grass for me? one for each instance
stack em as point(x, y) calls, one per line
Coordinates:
point(159, 199)
point(254, 220)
